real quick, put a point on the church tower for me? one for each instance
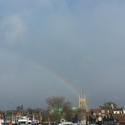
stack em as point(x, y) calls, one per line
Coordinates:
point(83, 101)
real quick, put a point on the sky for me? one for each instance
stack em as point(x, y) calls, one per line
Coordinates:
point(56, 47)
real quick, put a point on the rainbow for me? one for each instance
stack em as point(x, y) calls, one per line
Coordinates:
point(67, 83)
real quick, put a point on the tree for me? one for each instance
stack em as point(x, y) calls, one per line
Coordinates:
point(110, 105)
point(20, 108)
point(59, 108)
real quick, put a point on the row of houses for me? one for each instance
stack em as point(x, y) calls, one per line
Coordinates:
point(13, 116)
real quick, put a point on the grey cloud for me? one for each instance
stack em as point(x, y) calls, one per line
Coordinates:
point(12, 30)
point(85, 47)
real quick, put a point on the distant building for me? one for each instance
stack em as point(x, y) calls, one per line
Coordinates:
point(83, 102)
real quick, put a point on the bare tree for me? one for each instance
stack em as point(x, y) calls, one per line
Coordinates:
point(59, 108)
point(110, 105)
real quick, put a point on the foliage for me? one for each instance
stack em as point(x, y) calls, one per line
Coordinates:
point(59, 108)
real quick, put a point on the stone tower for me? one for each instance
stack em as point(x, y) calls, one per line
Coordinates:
point(83, 102)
